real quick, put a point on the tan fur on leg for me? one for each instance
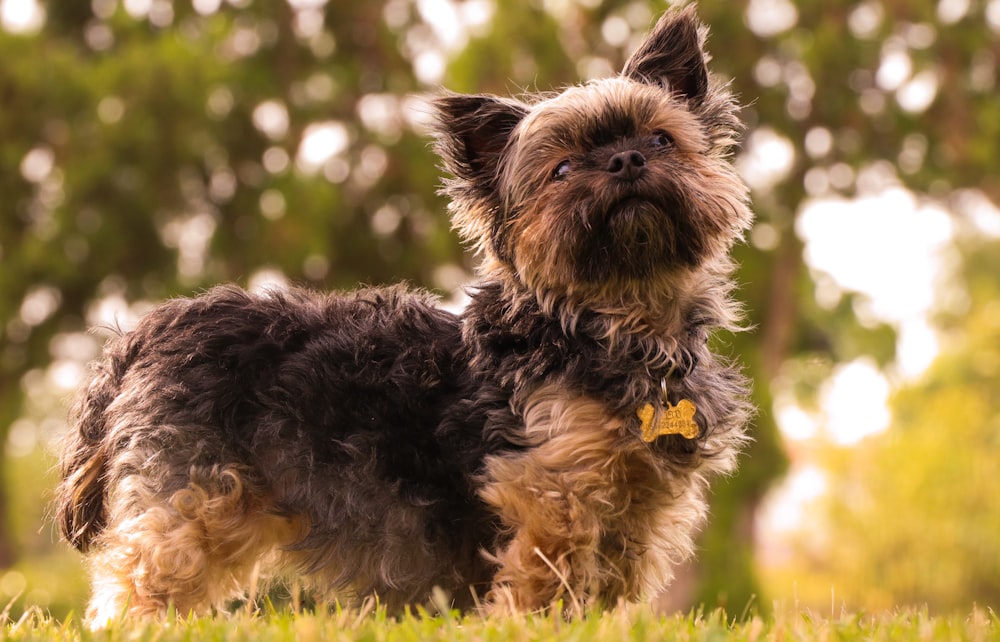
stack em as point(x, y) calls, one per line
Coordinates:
point(194, 551)
point(594, 516)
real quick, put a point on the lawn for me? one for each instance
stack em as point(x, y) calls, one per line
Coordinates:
point(632, 623)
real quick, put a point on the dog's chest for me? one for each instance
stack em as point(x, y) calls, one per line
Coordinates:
point(587, 483)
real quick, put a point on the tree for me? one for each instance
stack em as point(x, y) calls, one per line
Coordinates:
point(151, 155)
point(911, 516)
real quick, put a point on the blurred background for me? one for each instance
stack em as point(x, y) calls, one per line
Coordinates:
point(151, 148)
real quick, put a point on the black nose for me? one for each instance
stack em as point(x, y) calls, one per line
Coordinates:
point(627, 165)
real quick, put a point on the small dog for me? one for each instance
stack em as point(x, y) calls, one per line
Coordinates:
point(553, 442)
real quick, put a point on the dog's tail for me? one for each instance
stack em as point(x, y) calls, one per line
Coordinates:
point(80, 498)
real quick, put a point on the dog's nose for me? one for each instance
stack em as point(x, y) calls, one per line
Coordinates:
point(627, 165)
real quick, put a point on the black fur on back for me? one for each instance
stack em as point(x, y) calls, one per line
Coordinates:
point(316, 395)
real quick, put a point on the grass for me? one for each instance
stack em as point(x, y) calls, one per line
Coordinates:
point(620, 625)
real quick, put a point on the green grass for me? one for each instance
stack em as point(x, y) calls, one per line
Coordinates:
point(621, 625)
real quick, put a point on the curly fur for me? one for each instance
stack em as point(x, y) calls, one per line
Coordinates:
point(377, 445)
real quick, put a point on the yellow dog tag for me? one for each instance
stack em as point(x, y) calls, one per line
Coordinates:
point(674, 420)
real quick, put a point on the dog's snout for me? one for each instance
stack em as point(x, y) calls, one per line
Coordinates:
point(627, 165)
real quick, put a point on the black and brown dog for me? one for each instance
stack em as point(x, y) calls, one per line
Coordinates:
point(552, 442)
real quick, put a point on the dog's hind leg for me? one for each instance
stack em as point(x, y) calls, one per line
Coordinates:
point(193, 550)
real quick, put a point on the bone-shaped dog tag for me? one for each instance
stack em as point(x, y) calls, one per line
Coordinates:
point(673, 420)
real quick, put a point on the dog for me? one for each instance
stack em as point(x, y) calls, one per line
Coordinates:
point(551, 444)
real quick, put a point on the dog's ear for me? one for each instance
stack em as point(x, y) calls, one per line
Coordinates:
point(472, 133)
point(673, 55)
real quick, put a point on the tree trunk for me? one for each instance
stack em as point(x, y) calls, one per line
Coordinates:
point(10, 404)
point(6, 537)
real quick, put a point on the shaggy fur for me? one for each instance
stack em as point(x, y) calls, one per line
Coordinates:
point(377, 445)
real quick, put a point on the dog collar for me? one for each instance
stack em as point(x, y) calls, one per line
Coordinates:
point(668, 420)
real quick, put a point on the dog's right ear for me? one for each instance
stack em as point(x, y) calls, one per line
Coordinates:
point(673, 54)
point(472, 133)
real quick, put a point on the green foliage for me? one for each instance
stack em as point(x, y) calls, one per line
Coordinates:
point(133, 167)
point(912, 516)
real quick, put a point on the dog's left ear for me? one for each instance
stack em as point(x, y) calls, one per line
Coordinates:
point(472, 133)
point(673, 55)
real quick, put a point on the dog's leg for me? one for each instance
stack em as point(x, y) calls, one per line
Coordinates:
point(553, 553)
point(585, 507)
point(192, 550)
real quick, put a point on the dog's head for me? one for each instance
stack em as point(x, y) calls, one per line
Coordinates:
point(621, 182)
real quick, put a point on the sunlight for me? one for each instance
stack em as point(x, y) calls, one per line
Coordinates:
point(895, 68)
point(38, 164)
point(39, 304)
point(980, 212)
point(771, 17)
point(793, 420)
point(320, 143)
point(381, 113)
point(896, 251)
point(271, 118)
point(919, 92)
point(855, 402)
point(766, 160)
point(190, 236)
point(138, 8)
point(886, 246)
point(917, 346)
point(267, 279)
point(450, 25)
point(865, 19)
point(951, 11)
point(993, 15)
point(206, 7)
point(21, 16)
point(786, 508)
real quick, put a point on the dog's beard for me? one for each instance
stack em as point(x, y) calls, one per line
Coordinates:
point(579, 238)
point(632, 233)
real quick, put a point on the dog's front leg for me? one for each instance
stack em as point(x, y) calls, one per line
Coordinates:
point(571, 503)
point(553, 553)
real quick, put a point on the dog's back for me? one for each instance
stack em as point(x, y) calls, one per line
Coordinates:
point(319, 426)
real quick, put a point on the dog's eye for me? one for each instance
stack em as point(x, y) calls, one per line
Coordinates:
point(561, 170)
point(662, 139)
